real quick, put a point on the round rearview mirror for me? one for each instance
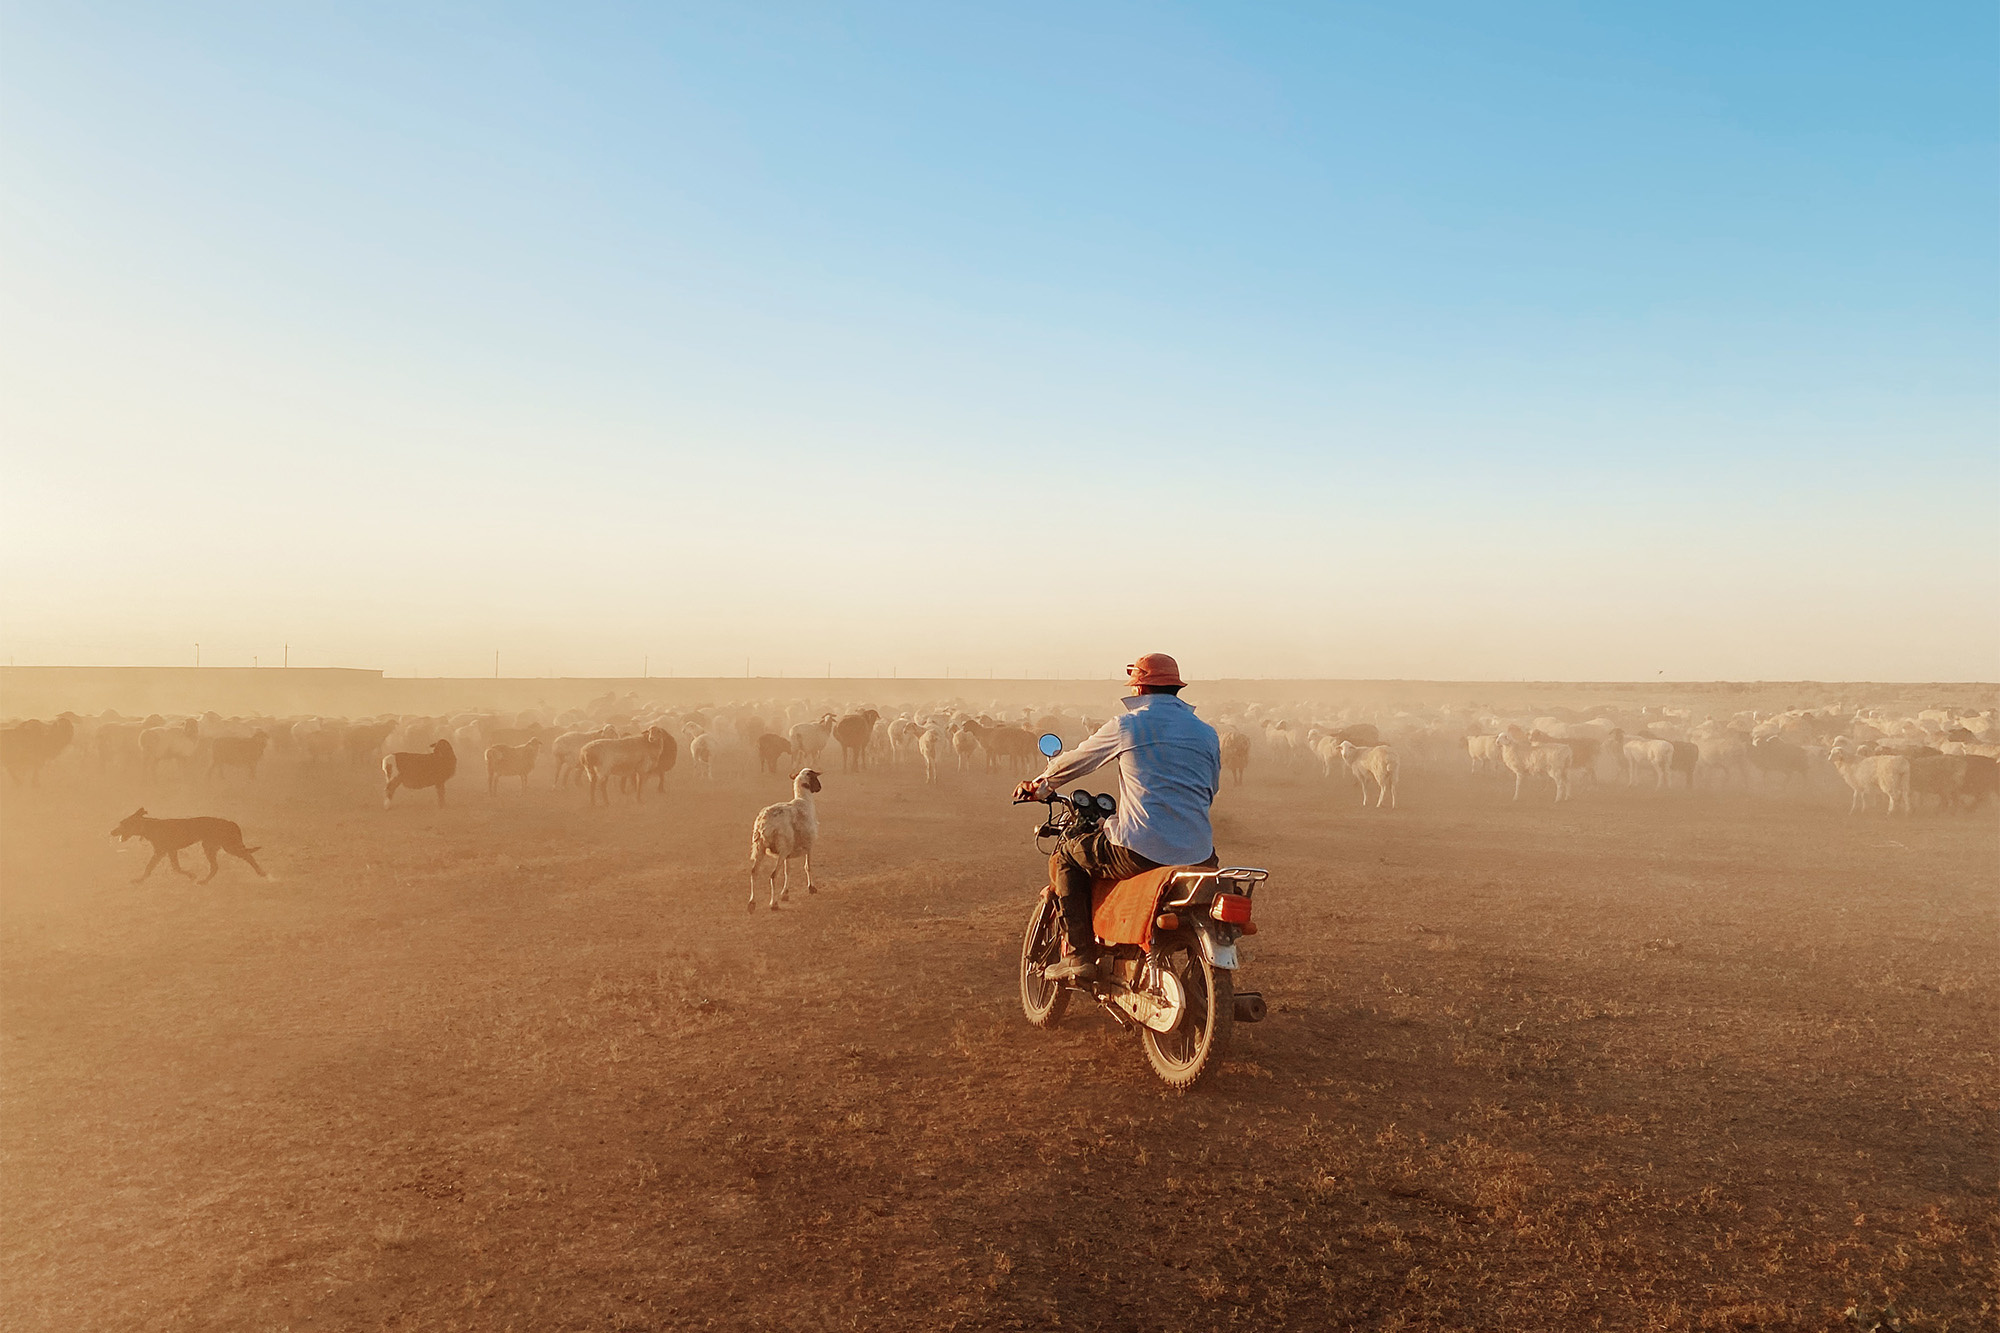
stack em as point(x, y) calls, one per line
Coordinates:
point(1050, 745)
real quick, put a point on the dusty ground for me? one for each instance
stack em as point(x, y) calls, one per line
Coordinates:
point(1634, 1063)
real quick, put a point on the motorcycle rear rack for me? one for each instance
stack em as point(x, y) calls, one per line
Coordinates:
point(1189, 885)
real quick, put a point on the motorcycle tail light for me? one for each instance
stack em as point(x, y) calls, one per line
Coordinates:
point(1249, 927)
point(1231, 907)
point(1167, 921)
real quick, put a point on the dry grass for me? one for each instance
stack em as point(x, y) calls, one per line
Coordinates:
point(1633, 1063)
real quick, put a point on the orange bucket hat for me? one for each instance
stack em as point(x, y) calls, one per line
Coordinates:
point(1155, 669)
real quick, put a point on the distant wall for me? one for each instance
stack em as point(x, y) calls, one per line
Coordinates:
point(137, 691)
point(45, 691)
point(343, 692)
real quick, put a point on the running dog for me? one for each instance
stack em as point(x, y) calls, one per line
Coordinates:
point(170, 836)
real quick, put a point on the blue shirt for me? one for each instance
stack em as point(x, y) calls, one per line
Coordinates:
point(1169, 766)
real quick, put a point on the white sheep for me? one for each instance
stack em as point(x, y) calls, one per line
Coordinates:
point(1637, 754)
point(1886, 773)
point(1284, 743)
point(963, 743)
point(633, 757)
point(809, 739)
point(902, 737)
point(1549, 761)
point(701, 753)
point(1484, 751)
point(510, 761)
point(569, 746)
point(932, 742)
point(1376, 761)
point(785, 831)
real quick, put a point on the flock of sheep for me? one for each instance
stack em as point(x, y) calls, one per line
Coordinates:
point(622, 745)
point(614, 743)
point(1951, 755)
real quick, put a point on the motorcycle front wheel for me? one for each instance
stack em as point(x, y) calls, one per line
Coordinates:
point(1041, 947)
point(1042, 1001)
point(1208, 1019)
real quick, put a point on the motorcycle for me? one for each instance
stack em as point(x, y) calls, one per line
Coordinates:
point(1167, 944)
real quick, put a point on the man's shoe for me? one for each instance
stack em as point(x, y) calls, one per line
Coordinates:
point(1075, 967)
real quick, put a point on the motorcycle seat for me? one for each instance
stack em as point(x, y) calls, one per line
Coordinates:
point(1122, 910)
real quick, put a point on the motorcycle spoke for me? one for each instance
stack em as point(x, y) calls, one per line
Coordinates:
point(1182, 1055)
point(1042, 1000)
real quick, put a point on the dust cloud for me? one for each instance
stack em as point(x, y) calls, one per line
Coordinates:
point(1695, 1037)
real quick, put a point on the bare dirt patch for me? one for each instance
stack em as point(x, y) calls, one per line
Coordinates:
point(1631, 1063)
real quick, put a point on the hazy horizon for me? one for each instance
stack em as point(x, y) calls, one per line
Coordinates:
point(1452, 345)
point(971, 680)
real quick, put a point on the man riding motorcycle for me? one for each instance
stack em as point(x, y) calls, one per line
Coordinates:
point(1170, 765)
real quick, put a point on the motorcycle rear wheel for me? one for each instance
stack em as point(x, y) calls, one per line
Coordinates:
point(1208, 1020)
point(1043, 1002)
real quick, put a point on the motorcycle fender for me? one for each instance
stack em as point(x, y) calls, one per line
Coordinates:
point(1219, 952)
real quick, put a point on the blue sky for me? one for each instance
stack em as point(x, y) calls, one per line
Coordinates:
point(1556, 341)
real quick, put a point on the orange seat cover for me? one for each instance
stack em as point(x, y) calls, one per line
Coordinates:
point(1122, 910)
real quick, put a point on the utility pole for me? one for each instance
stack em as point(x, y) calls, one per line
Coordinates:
point(197, 655)
point(496, 664)
point(288, 654)
point(646, 670)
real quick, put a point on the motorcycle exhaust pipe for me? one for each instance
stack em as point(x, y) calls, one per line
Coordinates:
point(1250, 1007)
